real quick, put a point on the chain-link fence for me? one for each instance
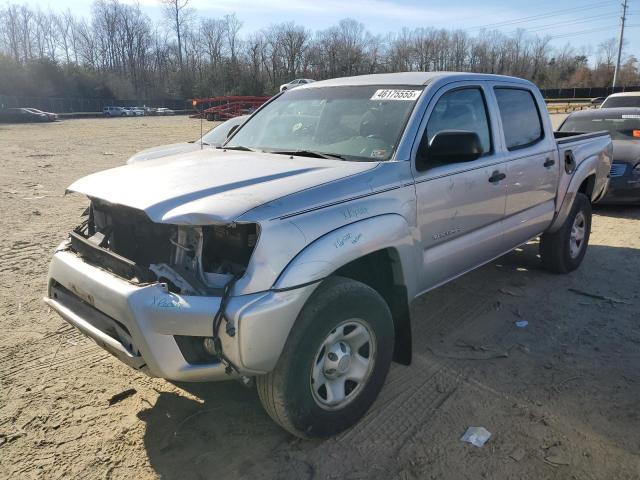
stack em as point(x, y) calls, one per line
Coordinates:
point(79, 105)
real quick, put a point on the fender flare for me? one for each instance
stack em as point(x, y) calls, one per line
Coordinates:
point(584, 170)
point(337, 248)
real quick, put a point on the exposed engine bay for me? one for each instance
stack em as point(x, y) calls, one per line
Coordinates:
point(192, 260)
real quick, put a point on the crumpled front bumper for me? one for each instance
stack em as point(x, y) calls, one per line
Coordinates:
point(138, 324)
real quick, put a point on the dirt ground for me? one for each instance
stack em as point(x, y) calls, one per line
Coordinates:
point(560, 396)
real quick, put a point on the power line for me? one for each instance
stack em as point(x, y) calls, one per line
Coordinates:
point(493, 13)
point(575, 22)
point(581, 32)
point(564, 11)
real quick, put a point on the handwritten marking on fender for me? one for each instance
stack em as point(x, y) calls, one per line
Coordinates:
point(351, 213)
point(348, 238)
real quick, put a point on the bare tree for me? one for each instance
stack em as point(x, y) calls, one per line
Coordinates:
point(118, 51)
point(179, 14)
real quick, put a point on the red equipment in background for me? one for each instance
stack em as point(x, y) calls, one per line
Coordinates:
point(224, 108)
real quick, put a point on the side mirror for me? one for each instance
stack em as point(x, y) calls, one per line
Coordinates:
point(232, 130)
point(450, 146)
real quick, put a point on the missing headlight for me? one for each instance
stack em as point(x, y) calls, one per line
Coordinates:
point(228, 249)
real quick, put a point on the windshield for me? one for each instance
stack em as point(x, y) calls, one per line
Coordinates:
point(352, 122)
point(626, 101)
point(620, 127)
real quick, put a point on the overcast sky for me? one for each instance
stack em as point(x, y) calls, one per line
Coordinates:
point(582, 23)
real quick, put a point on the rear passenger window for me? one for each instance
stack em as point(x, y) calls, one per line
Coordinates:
point(462, 109)
point(520, 117)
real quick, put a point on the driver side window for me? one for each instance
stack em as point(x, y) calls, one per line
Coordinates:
point(461, 109)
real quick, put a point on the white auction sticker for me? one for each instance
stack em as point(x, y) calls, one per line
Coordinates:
point(395, 94)
point(630, 116)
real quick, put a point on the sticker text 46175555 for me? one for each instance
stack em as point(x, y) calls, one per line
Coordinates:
point(396, 94)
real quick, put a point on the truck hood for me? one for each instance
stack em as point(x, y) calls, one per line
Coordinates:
point(627, 151)
point(165, 151)
point(211, 186)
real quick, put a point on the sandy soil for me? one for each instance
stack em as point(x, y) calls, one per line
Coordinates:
point(559, 396)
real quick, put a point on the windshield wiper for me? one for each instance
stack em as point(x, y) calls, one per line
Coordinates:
point(242, 148)
point(309, 153)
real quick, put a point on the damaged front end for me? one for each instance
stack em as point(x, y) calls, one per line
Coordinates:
point(190, 260)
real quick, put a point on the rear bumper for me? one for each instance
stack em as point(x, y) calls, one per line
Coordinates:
point(138, 324)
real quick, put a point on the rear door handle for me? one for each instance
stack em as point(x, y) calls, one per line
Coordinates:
point(549, 162)
point(497, 176)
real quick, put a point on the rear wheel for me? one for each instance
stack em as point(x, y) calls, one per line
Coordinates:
point(563, 250)
point(334, 363)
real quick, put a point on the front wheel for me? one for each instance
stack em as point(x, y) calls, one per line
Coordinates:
point(562, 251)
point(334, 362)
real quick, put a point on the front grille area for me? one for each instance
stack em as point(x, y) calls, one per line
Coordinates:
point(617, 169)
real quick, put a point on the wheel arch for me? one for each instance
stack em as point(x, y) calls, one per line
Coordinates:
point(587, 186)
point(379, 252)
point(584, 181)
point(382, 271)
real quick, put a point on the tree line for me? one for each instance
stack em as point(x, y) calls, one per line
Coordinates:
point(119, 52)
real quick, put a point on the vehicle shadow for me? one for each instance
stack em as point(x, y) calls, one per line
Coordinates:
point(630, 212)
point(214, 430)
point(220, 430)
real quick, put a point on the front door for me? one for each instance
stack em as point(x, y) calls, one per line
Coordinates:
point(460, 205)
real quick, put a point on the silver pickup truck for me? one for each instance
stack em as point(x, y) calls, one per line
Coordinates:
point(290, 255)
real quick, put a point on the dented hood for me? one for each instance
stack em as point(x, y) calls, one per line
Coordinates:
point(211, 186)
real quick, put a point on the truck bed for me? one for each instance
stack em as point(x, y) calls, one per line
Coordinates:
point(574, 148)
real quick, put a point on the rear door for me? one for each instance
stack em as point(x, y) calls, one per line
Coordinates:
point(532, 167)
point(460, 205)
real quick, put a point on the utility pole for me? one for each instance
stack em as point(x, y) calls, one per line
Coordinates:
point(623, 19)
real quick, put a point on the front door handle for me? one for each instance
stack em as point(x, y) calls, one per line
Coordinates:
point(497, 176)
point(549, 162)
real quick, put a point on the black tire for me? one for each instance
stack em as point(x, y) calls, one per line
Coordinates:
point(286, 392)
point(556, 248)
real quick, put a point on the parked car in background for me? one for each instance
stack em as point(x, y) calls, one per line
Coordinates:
point(214, 138)
point(597, 102)
point(295, 83)
point(136, 111)
point(292, 254)
point(25, 115)
point(623, 124)
point(116, 112)
point(50, 115)
point(164, 111)
point(625, 99)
